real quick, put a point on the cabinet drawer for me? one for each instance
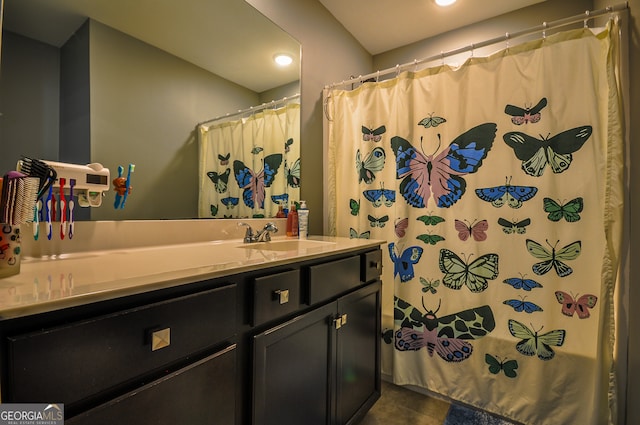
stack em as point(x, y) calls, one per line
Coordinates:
point(333, 278)
point(80, 360)
point(275, 296)
point(202, 393)
point(371, 265)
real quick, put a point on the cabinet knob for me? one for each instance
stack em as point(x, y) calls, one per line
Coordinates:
point(282, 295)
point(376, 265)
point(160, 339)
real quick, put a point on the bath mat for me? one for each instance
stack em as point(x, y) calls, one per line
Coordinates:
point(461, 415)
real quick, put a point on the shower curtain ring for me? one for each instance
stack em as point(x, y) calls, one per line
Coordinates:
point(544, 31)
point(378, 76)
point(415, 65)
point(587, 13)
point(442, 57)
point(473, 47)
point(506, 37)
point(397, 70)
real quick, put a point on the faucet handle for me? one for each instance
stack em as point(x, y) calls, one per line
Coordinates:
point(248, 236)
point(271, 227)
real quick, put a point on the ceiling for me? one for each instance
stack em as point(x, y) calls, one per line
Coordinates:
point(212, 33)
point(227, 37)
point(382, 25)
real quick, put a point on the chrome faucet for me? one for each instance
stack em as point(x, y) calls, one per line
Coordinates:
point(263, 235)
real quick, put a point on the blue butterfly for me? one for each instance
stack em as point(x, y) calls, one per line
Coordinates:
point(379, 196)
point(403, 265)
point(522, 283)
point(441, 175)
point(513, 195)
point(229, 201)
point(282, 198)
point(522, 305)
point(254, 183)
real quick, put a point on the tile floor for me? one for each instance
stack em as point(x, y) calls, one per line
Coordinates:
point(400, 406)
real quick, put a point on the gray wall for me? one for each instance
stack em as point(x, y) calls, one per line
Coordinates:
point(29, 96)
point(145, 104)
point(124, 102)
point(329, 53)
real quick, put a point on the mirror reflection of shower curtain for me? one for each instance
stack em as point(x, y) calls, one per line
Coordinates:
point(247, 167)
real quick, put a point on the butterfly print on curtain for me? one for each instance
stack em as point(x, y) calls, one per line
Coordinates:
point(556, 151)
point(440, 175)
point(448, 336)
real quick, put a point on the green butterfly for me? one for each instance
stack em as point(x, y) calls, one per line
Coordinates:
point(552, 259)
point(378, 222)
point(353, 234)
point(355, 206)
point(474, 275)
point(429, 285)
point(372, 163)
point(431, 121)
point(507, 366)
point(555, 151)
point(430, 239)
point(256, 150)
point(534, 344)
point(569, 211)
point(214, 210)
point(430, 220)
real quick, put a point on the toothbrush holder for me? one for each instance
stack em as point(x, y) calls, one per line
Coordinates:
point(10, 250)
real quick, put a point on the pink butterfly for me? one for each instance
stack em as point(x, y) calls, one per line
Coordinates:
point(449, 349)
point(476, 230)
point(581, 306)
point(401, 227)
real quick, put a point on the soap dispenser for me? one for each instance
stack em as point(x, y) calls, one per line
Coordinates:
point(292, 221)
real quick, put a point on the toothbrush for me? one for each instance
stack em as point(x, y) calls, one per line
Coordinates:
point(48, 207)
point(116, 203)
point(128, 185)
point(72, 183)
point(36, 220)
point(63, 209)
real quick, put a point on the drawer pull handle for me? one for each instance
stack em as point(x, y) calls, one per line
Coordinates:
point(282, 295)
point(376, 265)
point(160, 339)
point(340, 321)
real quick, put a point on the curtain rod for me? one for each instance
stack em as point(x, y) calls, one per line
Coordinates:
point(252, 109)
point(508, 36)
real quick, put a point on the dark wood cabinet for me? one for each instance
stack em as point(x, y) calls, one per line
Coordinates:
point(201, 393)
point(287, 345)
point(321, 367)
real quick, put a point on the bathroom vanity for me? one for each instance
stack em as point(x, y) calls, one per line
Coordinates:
point(282, 332)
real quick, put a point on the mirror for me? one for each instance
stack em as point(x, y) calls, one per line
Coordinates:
point(127, 81)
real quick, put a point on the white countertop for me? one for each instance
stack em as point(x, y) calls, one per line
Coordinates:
point(53, 282)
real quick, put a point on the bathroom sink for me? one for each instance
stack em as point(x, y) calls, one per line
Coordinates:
point(287, 245)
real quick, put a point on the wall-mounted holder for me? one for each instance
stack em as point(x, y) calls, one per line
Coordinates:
point(91, 181)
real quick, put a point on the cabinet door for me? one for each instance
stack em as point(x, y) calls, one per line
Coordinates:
point(358, 353)
point(202, 393)
point(292, 363)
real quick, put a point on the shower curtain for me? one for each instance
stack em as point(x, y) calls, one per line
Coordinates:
point(498, 187)
point(250, 166)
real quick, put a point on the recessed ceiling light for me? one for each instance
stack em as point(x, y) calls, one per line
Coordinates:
point(445, 2)
point(283, 59)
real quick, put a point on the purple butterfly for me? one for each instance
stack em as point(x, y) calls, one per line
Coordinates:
point(441, 175)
